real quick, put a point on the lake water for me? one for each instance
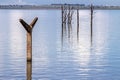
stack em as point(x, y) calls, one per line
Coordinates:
point(52, 60)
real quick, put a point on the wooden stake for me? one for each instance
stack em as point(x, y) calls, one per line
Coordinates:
point(91, 24)
point(62, 12)
point(65, 18)
point(29, 29)
point(68, 22)
point(77, 24)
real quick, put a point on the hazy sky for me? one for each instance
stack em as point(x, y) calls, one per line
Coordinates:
point(105, 2)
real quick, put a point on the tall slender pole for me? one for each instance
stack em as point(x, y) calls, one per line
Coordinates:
point(71, 14)
point(69, 10)
point(77, 24)
point(29, 29)
point(91, 24)
point(62, 12)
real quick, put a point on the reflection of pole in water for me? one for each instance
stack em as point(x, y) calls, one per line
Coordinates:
point(29, 70)
point(77, 24)
point(91, 24)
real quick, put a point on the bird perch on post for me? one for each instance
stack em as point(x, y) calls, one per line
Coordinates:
point(29, 29)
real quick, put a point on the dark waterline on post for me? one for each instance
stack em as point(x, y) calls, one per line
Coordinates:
point(29, 71)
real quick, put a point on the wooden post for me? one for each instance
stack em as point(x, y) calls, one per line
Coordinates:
point(91, 24)
point(68, 22)
point(62, 12)
point(71, 14)
point(77, 24)
point(64, 19)
point(29, 29)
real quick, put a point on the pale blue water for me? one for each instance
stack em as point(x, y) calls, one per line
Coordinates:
point(51, 60)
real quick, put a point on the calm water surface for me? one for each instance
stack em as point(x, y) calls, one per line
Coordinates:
point(74, 60)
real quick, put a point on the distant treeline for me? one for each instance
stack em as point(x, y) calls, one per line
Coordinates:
point(57, 6)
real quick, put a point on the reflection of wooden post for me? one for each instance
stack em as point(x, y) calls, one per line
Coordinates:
point(29, 28)
point(29, 71)
point(91, 24)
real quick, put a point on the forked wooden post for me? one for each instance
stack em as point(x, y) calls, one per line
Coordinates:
point(29, 29)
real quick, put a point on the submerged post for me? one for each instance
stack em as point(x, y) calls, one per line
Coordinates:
point(91, 24)
point(29, 71)
point(29, 29)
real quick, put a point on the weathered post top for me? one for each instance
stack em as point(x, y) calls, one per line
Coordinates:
point(29, 28)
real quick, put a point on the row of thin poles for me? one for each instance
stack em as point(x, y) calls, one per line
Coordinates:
point(67, 17)
point(67, 14)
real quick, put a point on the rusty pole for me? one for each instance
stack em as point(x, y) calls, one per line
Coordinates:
point(29, 29)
